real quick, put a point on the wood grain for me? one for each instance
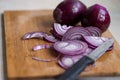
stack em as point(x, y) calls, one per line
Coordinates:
point(20, 65)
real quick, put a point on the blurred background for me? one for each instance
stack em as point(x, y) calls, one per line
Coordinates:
point(113, 7)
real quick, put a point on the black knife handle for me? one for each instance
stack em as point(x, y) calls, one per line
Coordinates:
point(72, 72)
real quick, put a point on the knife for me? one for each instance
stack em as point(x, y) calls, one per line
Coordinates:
point(72, 72)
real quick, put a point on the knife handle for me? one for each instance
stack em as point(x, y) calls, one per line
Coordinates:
point(72, 72)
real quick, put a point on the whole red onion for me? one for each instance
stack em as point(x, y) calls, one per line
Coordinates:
point(69, 12)
point(98, 16)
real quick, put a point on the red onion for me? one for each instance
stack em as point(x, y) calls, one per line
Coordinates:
point(67, 60)
point(94, 31)
point(50, 38)
point(45, 60)
point(36, 34)
point(40, 35)
point(97, 16)
point(70, 47)
point(74, 41)
point(69, 12)
point(93, 41)
point(56, 34)
point(43, 46)
point(60, 29)
point(75, 33)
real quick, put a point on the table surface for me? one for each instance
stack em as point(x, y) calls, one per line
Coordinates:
point(111, 5)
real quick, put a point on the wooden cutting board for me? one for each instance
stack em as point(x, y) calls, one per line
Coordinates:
point(20, 64)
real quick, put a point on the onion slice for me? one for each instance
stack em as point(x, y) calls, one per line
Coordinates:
point(43, 46)
point(94, 31)
point(46, 60)
point(59, 30)
point(50, 38)
point(40, 35)
point(94, 42)
point(68, 60)
point(36, 34)
point(75, 33)
point(72, 47)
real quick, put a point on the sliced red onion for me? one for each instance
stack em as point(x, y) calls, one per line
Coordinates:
point(94, 42)
point(94, 31)
point(77, 57)
point(36, 34)
point(88, 50)
point(45, 60)
point(59, 30)
point(55, 34)
point(75, 33)
point(72, 47)
point(50, 38)
point(43, 46)
point(67, 60)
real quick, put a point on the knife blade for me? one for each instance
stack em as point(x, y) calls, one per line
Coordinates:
point(72, 72)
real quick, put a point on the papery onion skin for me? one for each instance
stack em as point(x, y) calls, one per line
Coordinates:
point(69, 12)
point(97, 16)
